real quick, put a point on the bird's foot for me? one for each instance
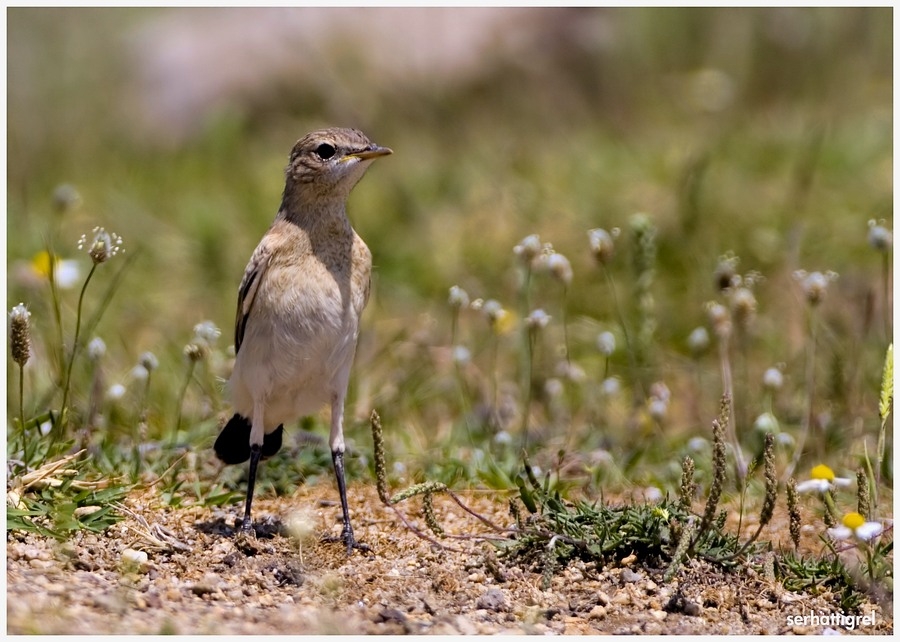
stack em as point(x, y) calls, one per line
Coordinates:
point(350, 541)
point(245, 528)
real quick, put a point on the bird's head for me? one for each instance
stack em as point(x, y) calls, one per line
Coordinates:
point(331, 161)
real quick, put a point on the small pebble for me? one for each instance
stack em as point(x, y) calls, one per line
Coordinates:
point(136, 558)
point(630, 576)
point(33, 553)
point(652, 628)
point(692, 608)
point(492, 600)
point(84, 511)
point(597, 613)
point(40, 564)
point(621, 598)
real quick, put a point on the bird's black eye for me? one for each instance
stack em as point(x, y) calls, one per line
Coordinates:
point(325, 151)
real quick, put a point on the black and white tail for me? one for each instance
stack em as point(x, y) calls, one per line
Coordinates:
point(233, 444)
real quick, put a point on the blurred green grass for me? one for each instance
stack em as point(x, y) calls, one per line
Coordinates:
point(762, 132)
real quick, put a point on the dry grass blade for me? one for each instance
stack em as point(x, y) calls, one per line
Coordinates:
point(41, 477)
point(156, 537)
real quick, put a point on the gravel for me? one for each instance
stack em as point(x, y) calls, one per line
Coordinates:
point(199, 579)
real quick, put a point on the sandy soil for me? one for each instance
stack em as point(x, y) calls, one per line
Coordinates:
point(199, 579)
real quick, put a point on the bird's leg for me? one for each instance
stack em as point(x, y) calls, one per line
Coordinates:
point(255, 452)
point(337, 456)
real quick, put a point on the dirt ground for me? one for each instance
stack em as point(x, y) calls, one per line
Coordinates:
point(198, 579)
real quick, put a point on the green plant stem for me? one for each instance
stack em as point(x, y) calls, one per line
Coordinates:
point(181, 396)
point(873, 482)
point(629, 348)
point(565, 323)
point(806, 424)
point(886, 292)
point(454, 323)
point(22, 412)
point(744, 483)
point(740, 463)
point(526, 364)
point(529, 372)
point(57, 311)
point(828, 500)
point(62, 413)
point(495, 411)
point(105, 300)
point(457, 369)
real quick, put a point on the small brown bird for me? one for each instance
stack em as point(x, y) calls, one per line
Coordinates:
point(298, 309)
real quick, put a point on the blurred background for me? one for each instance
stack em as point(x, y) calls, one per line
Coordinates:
point(763, 133)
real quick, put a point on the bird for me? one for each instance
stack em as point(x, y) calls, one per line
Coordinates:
point(298, 310)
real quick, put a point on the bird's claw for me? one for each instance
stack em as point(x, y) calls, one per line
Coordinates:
point(350, 541)
point(246, 528)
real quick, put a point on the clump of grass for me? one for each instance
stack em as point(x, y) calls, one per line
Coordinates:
point(62, 497)
point(815, 574)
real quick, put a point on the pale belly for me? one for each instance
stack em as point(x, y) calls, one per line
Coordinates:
point(294, 371)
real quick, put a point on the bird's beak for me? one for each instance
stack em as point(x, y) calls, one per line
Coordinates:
point(371, 152)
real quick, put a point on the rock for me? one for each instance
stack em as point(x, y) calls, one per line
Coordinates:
point(390, 615)
point(40, 564)
point(630, 576)
point(652, 628)
point(136, 559)
point(621, 598)
point(465, 626)
point(209, 584)
point(597, 613)
point(692, 608)
point(492, 600)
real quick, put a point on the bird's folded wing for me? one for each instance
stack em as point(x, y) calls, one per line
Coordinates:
point(253, 276)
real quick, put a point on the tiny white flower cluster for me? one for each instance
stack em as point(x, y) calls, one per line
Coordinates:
point(814, 285)
point(880, 238)
point(537, 320)
point(459, 298)
point(96, 349)
point(658, 401)
point(542, 257)
point(606, 343)
point(205, 335)
point(104, 245)
point(603, 245)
